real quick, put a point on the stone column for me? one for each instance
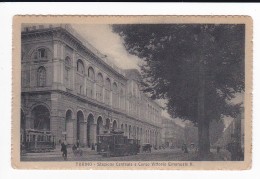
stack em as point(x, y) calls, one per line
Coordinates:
point(57, 121)
point(74, 132)
point(111, 98)
point(56, 64)
point(56, 71)
point(103, 94)
point(83, 133)
point(94, 91)
point(55, 127)
point(93, 134)
point(73, 71)
point(62, 57)
point(85, 85)
point(69, 131)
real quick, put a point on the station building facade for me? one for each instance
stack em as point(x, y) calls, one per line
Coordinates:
point(70, 89)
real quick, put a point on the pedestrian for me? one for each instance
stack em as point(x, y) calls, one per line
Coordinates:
point(78, 143)
point(185, 149)
point(92, 146)
point(64, 150)
point(218, 149)
point(74, 148)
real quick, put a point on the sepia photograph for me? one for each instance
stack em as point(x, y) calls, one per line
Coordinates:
point(142, 92)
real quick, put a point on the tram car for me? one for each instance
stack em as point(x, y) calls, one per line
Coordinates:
point(114, 143)
point(37, 141)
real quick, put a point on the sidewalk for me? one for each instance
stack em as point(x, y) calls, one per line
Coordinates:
point(57, 153)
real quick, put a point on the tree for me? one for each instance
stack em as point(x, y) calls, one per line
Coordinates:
point(198, 68)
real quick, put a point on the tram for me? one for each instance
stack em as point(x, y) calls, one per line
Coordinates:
point(33, 140)
point(114, 143)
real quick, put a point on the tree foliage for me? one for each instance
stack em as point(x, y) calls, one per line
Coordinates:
point(173, 54)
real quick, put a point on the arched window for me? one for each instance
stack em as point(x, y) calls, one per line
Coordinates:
point(114, 87)
point(108, 84)
point(91, 73)
point(107, 91)
point(69, 127)
point(100, 80)
point(67, 73)
point(41, 118)
point(90, 83)
point(80, 66)
point(67, 61)
point(115, 95)
point(41, 75)
point(125, 131)
point(122, 99)
point(99, 87)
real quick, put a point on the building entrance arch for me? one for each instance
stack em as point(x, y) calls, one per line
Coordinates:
point(80, 127)
point(69, 127)
point(90, 130)
point(114, 125)
point(41, 118)
point(100, 127)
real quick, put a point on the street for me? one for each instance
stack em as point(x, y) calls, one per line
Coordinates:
point(155, 155)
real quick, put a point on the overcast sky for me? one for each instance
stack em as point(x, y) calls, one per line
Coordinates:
point(108, 43)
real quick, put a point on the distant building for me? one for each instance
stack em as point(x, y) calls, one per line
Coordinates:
point(172, 133)
point(234, 131)
point(70, 89)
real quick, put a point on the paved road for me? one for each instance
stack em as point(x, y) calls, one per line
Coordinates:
point(156, 155)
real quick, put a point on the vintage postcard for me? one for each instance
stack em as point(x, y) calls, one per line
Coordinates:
point(132, 92)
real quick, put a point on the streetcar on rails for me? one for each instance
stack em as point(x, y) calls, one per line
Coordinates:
point(114, 143)
point(33, 140)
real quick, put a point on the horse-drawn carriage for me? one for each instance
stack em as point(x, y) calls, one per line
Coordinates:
point(147, 147)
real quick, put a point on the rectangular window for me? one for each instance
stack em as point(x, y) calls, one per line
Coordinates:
point(42, 53)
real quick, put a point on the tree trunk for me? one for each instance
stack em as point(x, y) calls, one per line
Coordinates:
point(203, 123)
point(204, 142)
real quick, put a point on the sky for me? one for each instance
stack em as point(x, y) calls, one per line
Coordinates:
point(108, 43)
